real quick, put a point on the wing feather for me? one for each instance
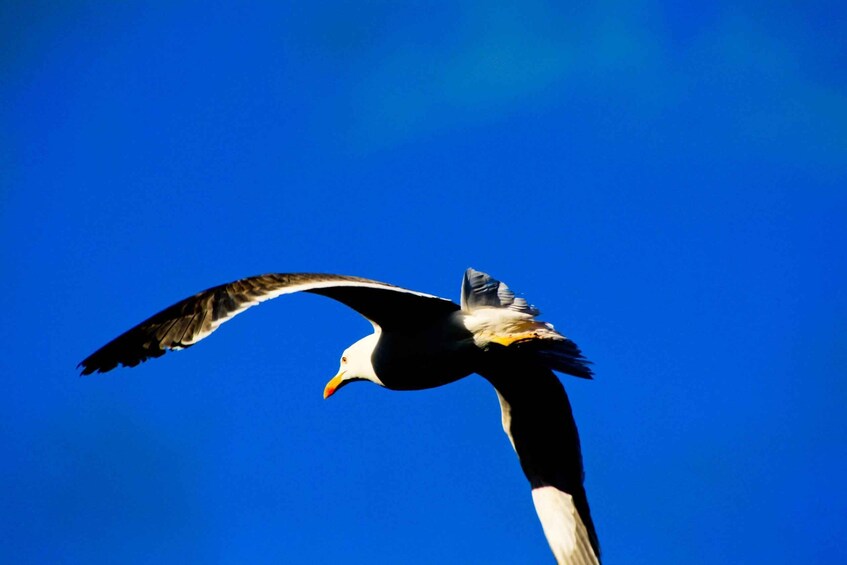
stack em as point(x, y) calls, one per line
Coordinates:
point(193, 319)
point(539, 422)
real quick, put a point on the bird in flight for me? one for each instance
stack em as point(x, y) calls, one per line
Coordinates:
point(422, 341)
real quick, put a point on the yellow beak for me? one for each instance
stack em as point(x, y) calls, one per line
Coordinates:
point(333, 384)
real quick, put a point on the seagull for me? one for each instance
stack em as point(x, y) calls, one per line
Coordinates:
point(423, 341)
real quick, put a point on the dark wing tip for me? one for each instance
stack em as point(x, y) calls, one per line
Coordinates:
point(92, 364)
point(87, 368)
point(117, 352)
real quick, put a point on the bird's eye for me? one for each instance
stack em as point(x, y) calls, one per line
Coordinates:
point(343, 360)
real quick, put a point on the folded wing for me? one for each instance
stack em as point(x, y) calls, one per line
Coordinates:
point(189, 321)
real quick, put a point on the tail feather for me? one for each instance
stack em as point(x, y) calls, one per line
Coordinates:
point(554, 351)
point(561, 355)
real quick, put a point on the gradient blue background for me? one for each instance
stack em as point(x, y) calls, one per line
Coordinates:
point(668, 184)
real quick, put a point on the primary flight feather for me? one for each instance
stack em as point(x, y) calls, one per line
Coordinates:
point(422, 341)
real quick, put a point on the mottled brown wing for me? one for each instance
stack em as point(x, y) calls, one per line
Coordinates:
point(190, 320)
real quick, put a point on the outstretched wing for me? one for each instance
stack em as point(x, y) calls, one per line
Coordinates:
point(190, 320)
point(538, 419)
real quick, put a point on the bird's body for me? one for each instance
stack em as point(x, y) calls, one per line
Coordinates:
point(425, 357)
point(444, 351)
point(422, 341)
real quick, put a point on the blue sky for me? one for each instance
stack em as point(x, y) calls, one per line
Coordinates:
point(668, 185)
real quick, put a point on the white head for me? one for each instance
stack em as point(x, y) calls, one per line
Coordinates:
point(356, 365)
